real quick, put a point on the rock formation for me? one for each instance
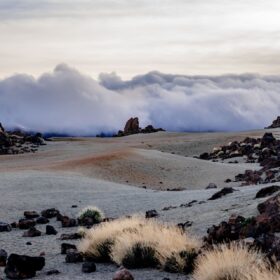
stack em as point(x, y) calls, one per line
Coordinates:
point(132, 127)
point(275, 123)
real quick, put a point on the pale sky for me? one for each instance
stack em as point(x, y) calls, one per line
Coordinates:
point(132, 37)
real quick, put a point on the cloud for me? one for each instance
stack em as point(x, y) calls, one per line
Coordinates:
point(66, 101)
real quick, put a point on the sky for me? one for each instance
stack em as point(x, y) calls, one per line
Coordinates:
point(132, 37)
point(84, 67)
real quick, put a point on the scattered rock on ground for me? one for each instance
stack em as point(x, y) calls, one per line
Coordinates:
point(88, 267)
point(267, 191)
point(152, 214)
point(222, 193)
point(50, 230)
point(32, 232)
point(5, 227)
point(3, 257)
point(22, 266)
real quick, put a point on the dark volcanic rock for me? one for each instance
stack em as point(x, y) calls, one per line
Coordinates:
point(32, 232)
point(50, 230)
point(31, 214)
point(70, 236)
point(221, 193)
point(88, 267)
point(68, 222)
point(270, 206)
point(5, 227)
point(66, 246)
point(53, 272)
point(152, 214)
point(275, 123)
point(73, 256)
point(21, 266)
point(132, 127)
point(50, 213)
point(267, 191)
point(42, 220)
point(3, 257)
point(26, 223)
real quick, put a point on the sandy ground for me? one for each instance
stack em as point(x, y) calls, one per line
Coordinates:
point(111, 173)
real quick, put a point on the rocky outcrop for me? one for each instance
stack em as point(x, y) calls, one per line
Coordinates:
point(275, 123)
point(262, 229)
point(265, 151)
point(132, 127)
point(13, 142)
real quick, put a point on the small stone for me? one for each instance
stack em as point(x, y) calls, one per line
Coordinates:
point(50, 230)
point(74, 206)
point(5, 227)
point(28, 243)
point(32, 232)
point(42, 220)
point(53, 272)
point(123, 274)
point(88, 267)
point(50, 213)
point(211, 186)
point(66, 246)
point(14, 225)
point(26, 223)
point(152, 214)
point(71, 236)
point(73, 256)
point(68, 222)
point(31, 214)
point(3, 257)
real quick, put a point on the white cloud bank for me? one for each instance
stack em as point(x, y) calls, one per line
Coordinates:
point(66, 101)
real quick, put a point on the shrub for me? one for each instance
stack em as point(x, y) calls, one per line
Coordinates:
point(141, 255)
point(156, 241)
point(98, 241)
point(91, 214)
point(229, 262)
point(137, 242)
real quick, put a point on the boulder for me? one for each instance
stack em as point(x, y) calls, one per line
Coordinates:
point(68, 222)
point(132, 126)
point(211, 186)
point(267, 191)
point(22, 266)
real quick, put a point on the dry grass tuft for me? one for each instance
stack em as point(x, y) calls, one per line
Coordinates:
point(137, 242)
point(233, 262)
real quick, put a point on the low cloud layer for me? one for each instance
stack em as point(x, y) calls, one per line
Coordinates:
point(66, 101)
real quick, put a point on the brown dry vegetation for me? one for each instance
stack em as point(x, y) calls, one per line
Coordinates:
point(120, 238)
point(233, 262)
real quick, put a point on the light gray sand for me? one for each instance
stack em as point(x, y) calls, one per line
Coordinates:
point(50, 179)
